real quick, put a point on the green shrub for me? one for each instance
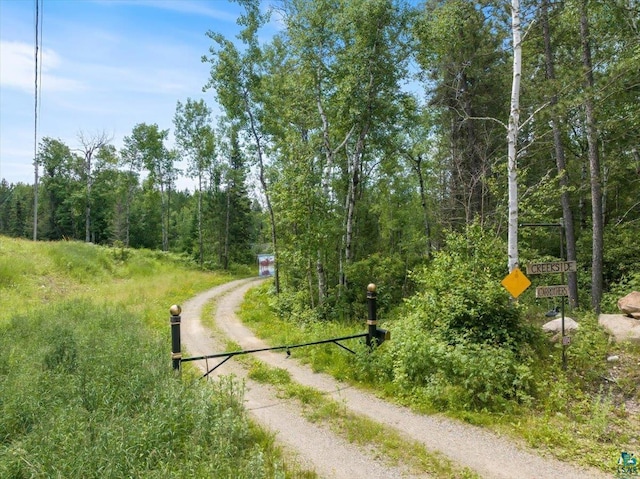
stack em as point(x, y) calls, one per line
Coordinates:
point(243, 270)
point(621, 257)
point(588, 352)
point(460, 342)
point(387, 272)
point(293, 305)
point(461, 298)
point(628, 283)
point(120, 252)
point(462, 376)
point(389, 275)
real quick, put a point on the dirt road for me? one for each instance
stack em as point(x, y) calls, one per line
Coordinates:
point(332, 457)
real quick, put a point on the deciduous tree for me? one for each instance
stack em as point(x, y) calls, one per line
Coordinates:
point(196, 140)
point(90, 144)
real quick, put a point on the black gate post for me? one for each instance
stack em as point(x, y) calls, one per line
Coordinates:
point(176, 353)
point(372, 320)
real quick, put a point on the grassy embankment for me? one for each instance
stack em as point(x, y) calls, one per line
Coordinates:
point(86, 386)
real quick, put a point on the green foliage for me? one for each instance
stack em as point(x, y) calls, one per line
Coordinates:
point(120, 252)
point(293, 305)
point(322, 109)
point(622, 254)
point(390, 276)
point(464, 376)
point(460, 343)
point(387, 272)
point(261, 314)
point(88, 391)
point(588, 353)
point(242, 270)
point(62, 190)
point(461, 298)
point(16, 209)
point(516, 387)
point(627, 284)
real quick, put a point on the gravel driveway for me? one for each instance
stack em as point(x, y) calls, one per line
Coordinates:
point(317, 448)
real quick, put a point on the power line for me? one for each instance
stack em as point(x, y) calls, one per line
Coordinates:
point(36, 109)
point(41, 50)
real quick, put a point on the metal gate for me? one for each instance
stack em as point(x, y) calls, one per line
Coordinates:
point(374, 336)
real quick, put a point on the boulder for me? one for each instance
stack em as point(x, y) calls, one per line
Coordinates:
point(621, 327)
point(630, 304)
point(555, 325)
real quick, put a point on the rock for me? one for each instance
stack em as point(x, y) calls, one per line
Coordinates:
point(555, 326)
point(613, 359)
point(630, 304)
point(621, 327)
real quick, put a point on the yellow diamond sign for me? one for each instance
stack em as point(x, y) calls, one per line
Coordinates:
point(516, 282)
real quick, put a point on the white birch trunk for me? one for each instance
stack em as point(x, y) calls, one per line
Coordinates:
point(512, 137)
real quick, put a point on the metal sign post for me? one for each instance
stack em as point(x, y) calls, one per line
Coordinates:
point(560, 290)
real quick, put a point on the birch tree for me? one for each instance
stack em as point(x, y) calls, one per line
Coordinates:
point(512, 137)
point(354, 51)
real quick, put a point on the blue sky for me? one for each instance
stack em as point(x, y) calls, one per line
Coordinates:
point(106, 66)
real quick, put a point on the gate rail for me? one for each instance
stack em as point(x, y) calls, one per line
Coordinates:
point(374, 336)
point(229, 355)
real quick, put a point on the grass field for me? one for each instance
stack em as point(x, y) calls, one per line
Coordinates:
point(86, 385)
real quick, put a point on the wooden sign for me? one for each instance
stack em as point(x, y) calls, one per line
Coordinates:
point(552, 291)
point(556, 267)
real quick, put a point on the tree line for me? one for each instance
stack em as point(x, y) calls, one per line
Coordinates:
point(129, 197)
point(373, 128)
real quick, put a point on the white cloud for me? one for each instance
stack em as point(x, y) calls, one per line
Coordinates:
point(182, 6)
point(104, 67)
point(17, 68)
point(195, 8)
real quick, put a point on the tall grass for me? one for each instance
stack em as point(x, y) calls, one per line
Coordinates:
point(87, 392)
point(33, 275)
point(86, 386)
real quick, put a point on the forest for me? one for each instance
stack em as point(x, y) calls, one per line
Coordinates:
point(358, 139)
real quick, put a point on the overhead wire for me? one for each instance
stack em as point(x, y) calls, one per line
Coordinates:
point(41, 51)
point(39, 6)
